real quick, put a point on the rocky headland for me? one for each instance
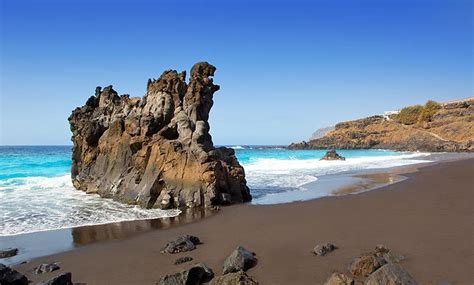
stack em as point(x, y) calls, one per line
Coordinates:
point(434, 127)
point(156, 151)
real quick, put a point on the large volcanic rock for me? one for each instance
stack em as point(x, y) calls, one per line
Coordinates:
point(155, 151)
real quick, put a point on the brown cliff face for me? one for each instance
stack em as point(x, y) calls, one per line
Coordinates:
point(155, 151)
point(449, 128)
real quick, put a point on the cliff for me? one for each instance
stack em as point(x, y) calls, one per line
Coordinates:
point(155, 151)
point(433, 127)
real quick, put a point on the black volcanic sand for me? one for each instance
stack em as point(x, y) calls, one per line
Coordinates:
point(428, 218)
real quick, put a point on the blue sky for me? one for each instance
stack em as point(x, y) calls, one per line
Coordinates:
point(285, 68)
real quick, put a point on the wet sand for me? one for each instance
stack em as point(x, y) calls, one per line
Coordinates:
point(428, 218)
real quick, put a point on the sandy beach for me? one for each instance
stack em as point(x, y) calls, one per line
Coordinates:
point(427, 218)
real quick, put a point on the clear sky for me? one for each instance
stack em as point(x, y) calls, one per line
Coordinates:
point(285, 68)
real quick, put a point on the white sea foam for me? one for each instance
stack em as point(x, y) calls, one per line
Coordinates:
point(33, 204)
point(237, 147)
point(293, 174)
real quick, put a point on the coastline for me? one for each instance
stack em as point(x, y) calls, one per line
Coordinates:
point(424, 207)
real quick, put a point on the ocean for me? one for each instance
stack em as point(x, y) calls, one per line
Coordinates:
point(36, 193)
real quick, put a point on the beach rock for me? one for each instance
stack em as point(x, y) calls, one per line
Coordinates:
point(9, 276)
point(181, 260)
point(323, 249)
point(63, 279)
point(156, 151)
point(239, 259)
point(363, 266)
point(9, 252)
point(338, 278)
point(387, 254)
point(234, 278)
point(46, 267)
point(182, 244)
point(390, 274)
point(332, 155)
point(197, 274)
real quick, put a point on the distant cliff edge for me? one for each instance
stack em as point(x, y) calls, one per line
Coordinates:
point(433, 127)
point(156, 151)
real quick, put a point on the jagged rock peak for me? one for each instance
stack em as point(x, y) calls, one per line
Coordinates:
point(155, 151)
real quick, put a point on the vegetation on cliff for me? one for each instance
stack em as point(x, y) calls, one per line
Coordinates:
point(431, 127)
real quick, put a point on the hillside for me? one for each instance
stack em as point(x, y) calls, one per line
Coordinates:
point(432, 127)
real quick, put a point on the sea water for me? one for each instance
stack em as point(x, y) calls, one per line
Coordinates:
point(36, 193)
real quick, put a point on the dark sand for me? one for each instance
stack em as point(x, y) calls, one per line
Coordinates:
point(428, 218)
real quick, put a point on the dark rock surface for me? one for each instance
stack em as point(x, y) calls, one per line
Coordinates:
point(239, 259)
point(184, 259)
point(338, 278)
point(182, 244)
point(332, 155)
point(10, 276)
point(155, 151)
point(9, 252)
point(391, 273)
point(197, 274)
point(363, 266)
point(46, 267)
point(63, 279)
point(234, 278)
point(323, 249)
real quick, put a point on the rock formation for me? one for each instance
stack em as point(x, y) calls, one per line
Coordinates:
point(155, 151)
point(447, 128)
point(332, 155)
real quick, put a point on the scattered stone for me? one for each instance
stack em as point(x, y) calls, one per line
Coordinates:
point(63, 279)
point(363, 266)
point(387, 254)
point(323, 249)
point(182, 244)
point(10, 276)
point(181, 260)
point(234, 278)
point(46, 267)
point(195, 275)
point(239, 259)
point(338, 278)
point(332, 155)
point(390, 274)
point(9, 252)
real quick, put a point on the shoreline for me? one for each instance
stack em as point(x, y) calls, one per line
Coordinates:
point(68, 239)
point(327, 219)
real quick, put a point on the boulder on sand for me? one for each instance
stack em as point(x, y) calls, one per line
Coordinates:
point(63, 279)
point(338, 278)
point(239, 259)
point(234, 278)
point(9, 252)
point(390, 274)
point(197, 274)
point(10, 276)
point(323, 249)
point(181, 244)
point(46, 267)
point(364, 265)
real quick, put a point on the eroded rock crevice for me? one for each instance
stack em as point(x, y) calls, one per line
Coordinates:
point(155, 151)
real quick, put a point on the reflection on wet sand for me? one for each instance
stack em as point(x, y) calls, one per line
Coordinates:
point(121, 230)
point(367, 182)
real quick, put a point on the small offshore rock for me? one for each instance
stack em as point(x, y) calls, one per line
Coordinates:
point(9, 252)
point(239, 259)
point(63, 279)
point(338, 278)
point(184, 259)
point(9, 276)
point(234, 278)
point(46, 267)
point(332, 155)
point(323, 249)
point(390, 274)
point(363, 266)
point(195, 275)
point(181, 244)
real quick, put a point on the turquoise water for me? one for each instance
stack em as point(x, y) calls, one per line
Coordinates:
point(36, 192)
